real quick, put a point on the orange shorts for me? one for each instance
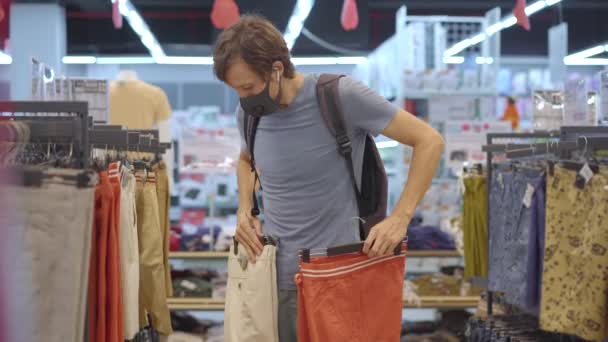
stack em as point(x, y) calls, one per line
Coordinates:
point(351, 298)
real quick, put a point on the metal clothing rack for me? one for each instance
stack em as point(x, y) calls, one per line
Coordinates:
point(560, 143)
point(70, 122)
point(114, 136)
point(54, 119)
point(490, 150)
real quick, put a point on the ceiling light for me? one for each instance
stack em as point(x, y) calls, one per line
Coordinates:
point(453, 59)
point(535, 7)
point(140, 27)
point(596, 50)
point(494, 28)
point(79, 60)
point(552, 2)
point(186, 60)
point(506, 22)
point(125, 60)
point(301, 10)
point(586, 61)
point(328, 60)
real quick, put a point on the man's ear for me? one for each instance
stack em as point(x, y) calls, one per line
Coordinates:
point(277, 68)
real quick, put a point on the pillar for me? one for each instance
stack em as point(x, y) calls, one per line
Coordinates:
point(37, 30)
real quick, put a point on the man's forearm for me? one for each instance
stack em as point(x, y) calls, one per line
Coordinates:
point(425, 159)
point(246, 179)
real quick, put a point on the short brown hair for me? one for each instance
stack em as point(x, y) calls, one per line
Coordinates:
point(257, 42)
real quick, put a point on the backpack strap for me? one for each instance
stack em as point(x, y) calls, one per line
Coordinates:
point(250, 126)
point(328, 98)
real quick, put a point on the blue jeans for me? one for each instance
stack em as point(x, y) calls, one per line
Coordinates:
point(510, 232)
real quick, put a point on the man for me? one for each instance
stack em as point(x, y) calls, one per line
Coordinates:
point(308, 197)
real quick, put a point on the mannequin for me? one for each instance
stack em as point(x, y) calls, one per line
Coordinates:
point(127, 75)
point(136, 104)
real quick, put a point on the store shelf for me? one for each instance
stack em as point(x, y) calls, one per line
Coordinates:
point(433, 254)
point(424, 94)
point(445, 302)
point(438, 302)
point(198, 255)
point(203, 304)
point(220, 255)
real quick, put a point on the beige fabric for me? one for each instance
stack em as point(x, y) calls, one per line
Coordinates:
point(164, 204)
point(152, 294)
point(251, 312)
point(184, 337)
point(137, 105)
point(129, 255)
point(54, 262)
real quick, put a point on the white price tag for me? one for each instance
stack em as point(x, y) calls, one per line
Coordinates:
point(528, 196)
point(188, 284)
point(586, 173)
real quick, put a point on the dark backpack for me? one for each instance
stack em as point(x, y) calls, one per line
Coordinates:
point(372, 197)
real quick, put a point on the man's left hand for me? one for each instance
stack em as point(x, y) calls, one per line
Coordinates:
point(385, 236)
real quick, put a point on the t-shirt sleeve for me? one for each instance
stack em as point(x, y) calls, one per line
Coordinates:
point(163, 108)
point(240, 122)
point(363, 108)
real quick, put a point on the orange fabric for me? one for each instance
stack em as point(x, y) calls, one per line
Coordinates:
point(99, 252)
point(511, 114)
point(351, 298)
point(116, 324)
point(105, 297)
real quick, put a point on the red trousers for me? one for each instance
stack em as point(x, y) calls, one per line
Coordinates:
point(105, 299)
point(351, 298)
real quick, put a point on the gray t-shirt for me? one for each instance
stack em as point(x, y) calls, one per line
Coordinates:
point(308, 197)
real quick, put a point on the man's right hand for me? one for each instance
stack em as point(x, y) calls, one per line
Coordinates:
point(248, 234)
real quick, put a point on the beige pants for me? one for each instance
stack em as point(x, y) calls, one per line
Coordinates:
point(152, 293)
point(251, 313)
point(164, 204)
point(54, 244)
point(129, 256)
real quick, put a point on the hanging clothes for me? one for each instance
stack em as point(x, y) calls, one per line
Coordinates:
point(129, 251)
point(251, 311)
point(105, 298)
point(475, 226)
point(335, 303)
point(115, 281)
point(574, 299)
point(152, 293)
point(54, 242)
point(536, 246)
point(164, 204)
point(510, 217)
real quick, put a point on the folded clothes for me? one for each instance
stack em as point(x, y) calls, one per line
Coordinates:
point(185, 322)
point(199, 239)
point(192, 287)
point(184, 337)
point(202, 273)
point(444, 285)
point(440, 336)
point(429, 238)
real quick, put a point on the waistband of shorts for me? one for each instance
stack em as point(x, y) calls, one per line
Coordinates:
point(150, 177)
point(345, 263)
point(358, 266)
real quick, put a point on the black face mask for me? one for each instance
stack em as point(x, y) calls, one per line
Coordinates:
point(262, 104)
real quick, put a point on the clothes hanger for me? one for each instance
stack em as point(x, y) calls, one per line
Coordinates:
point(341, 250)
